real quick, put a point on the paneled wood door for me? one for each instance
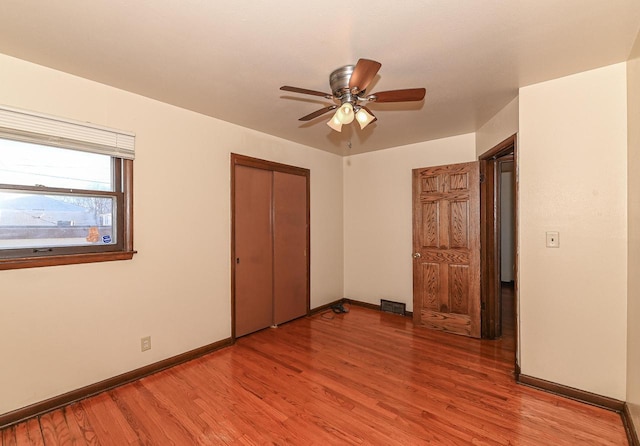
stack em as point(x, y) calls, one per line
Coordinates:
point(446, 248)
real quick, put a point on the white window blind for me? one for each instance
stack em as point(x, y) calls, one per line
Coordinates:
point(44, 129)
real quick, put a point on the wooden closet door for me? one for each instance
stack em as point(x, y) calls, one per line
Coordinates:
point(253, 250)
point(290, 246)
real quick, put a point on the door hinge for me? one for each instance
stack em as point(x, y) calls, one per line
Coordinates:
point(483, 306)
point(482, 178)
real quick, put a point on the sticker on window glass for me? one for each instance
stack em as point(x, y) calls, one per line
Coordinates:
point(106, 239)
point(93, 235)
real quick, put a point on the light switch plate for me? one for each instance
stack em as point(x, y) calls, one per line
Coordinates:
point(553, 239)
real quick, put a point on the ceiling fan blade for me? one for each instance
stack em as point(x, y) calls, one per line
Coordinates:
point(408, 95)
point(305, 91)
point(317, 113)
point(363, 74)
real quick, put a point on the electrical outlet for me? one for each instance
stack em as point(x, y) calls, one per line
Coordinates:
point(145, 343)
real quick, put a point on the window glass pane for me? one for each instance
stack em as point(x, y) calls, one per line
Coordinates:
point(32, 220)
point(29, 164)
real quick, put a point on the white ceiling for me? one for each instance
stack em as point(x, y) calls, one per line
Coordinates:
point(227, 59)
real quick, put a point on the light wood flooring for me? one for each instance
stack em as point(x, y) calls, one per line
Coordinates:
point(363, 378)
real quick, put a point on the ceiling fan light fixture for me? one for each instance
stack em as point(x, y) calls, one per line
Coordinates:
point(345, 113)
point(349, 86)
point(335, 123)
point(364, 118)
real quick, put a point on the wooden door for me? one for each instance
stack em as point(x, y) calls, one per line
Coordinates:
point(290, 246)
point(446, 248)
point(253, 250)
point(270, 243)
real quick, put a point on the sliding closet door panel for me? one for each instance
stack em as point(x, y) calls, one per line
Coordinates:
point(253, 249)
point(290, 246)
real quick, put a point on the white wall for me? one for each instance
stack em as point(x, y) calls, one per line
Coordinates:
point(501, 126)
point(377, 216)
point(65, 327)
point(572, 171)
point(633, 252)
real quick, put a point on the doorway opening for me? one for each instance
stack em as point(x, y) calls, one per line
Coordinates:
point(499, 247)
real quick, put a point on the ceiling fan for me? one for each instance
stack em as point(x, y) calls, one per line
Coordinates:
point(349, 85)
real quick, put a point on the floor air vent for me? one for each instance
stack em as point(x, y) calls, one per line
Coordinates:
point(392, 307)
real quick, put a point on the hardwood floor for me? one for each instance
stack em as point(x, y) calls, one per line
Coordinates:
point(364, 377)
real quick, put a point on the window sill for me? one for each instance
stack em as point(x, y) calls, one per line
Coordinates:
point(70, 259)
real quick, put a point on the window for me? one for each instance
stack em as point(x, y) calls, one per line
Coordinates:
point(65, 191)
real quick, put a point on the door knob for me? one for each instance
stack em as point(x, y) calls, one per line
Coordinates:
point(417, 255)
